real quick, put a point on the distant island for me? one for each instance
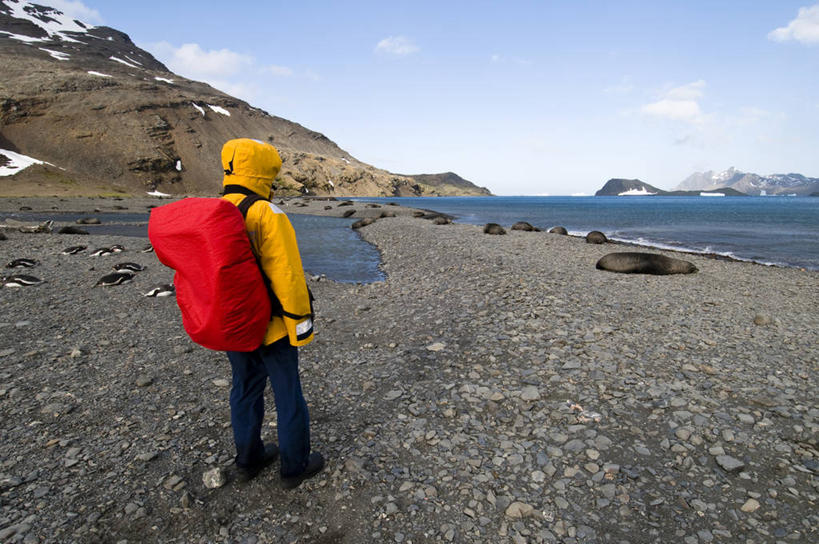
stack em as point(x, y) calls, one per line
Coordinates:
point(635, 187)
point(731, 182)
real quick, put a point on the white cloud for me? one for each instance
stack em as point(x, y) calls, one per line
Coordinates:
point(500, 59)
point(396, 45)
point(804, 29)
point(624, 87)
point(281, 71)
point(77, 10)
point(679, 104)
point(191, 61)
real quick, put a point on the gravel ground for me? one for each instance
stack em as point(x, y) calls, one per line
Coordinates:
point(493, 389)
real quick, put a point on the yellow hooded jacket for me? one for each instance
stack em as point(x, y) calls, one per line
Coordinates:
point(254, 165)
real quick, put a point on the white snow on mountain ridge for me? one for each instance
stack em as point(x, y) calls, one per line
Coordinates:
point(54, 22)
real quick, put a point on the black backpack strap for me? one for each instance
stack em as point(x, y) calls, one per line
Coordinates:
point(242, 190)
point(276, 308)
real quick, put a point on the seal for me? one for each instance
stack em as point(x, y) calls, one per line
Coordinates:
point(442, 220)
point(524, 226)
point(71, 230)
point(493, 228)
point(596, 237)
point(644, 263)
point(558, 230)
point(116, 278)
point(363, 222)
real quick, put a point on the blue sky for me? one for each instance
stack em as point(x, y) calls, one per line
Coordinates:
point(521, 97)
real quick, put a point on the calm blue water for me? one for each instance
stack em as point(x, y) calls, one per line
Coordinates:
point(327, 244)
point(771, 230)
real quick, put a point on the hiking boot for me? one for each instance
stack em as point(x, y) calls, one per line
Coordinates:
point(314, 465)
point(247, 473)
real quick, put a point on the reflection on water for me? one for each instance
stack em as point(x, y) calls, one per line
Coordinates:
point(327, 244)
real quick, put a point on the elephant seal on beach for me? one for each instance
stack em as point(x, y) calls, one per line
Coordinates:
point(493, 228)
point(72, 230)
point(442, 220)
point(596, 237)
point(558, 230)
point(644, 263)
point(363, 222)
point(347, 213)
point(524, 226)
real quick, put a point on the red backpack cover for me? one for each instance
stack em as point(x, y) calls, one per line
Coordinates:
point(219, 287)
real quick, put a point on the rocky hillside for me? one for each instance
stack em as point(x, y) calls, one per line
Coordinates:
point(105, 117)
point(749, 183)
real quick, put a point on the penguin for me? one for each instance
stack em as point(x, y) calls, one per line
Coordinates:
point(115, 278)
point(73, 250)
point(19, 280)
point(23, 263)
point(164, 290)
point(133, 267)
point(147, 249)
point(101, 252)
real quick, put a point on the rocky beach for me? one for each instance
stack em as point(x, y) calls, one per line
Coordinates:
point(492, 389)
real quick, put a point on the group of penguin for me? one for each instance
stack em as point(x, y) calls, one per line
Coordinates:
point(123, 272)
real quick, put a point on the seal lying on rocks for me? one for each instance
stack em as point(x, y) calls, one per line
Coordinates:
point(596, 237)
point(493, 228)
point(441, 220)
point(363, 222)
point(644, 263)
point(72, 230)
point(558, 230)
point(524, 226)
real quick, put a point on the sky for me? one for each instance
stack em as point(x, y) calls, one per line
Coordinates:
point(522, 97)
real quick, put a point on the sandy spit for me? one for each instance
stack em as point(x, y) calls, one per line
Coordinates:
point(492, 389)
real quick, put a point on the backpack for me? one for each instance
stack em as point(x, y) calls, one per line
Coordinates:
point(224, 297)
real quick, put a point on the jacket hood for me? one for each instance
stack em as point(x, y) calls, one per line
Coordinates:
point(251, 164)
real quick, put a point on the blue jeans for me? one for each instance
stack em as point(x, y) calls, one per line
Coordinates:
point(278, 362)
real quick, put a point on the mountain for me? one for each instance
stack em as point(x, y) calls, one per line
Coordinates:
point(627, 187)
point(752, 184)
point(635, 187)
point(448, 183)
point(101, 116)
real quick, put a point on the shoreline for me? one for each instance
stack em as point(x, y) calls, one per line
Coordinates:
point(310, 206)
point(491, 389)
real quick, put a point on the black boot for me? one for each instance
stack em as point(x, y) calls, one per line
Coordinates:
point(248, 472)
point(315, 462)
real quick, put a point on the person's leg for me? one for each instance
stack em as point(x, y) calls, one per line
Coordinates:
point(282, 363)
point(247, 405)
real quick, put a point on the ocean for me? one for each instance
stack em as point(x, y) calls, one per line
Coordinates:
point(327, 244)
point(781, 231)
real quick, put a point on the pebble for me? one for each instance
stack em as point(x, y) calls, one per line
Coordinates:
point(729, 464)
point(214, 478)
point(553, 411)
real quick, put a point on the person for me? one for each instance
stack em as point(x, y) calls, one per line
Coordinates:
point(250, 168)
